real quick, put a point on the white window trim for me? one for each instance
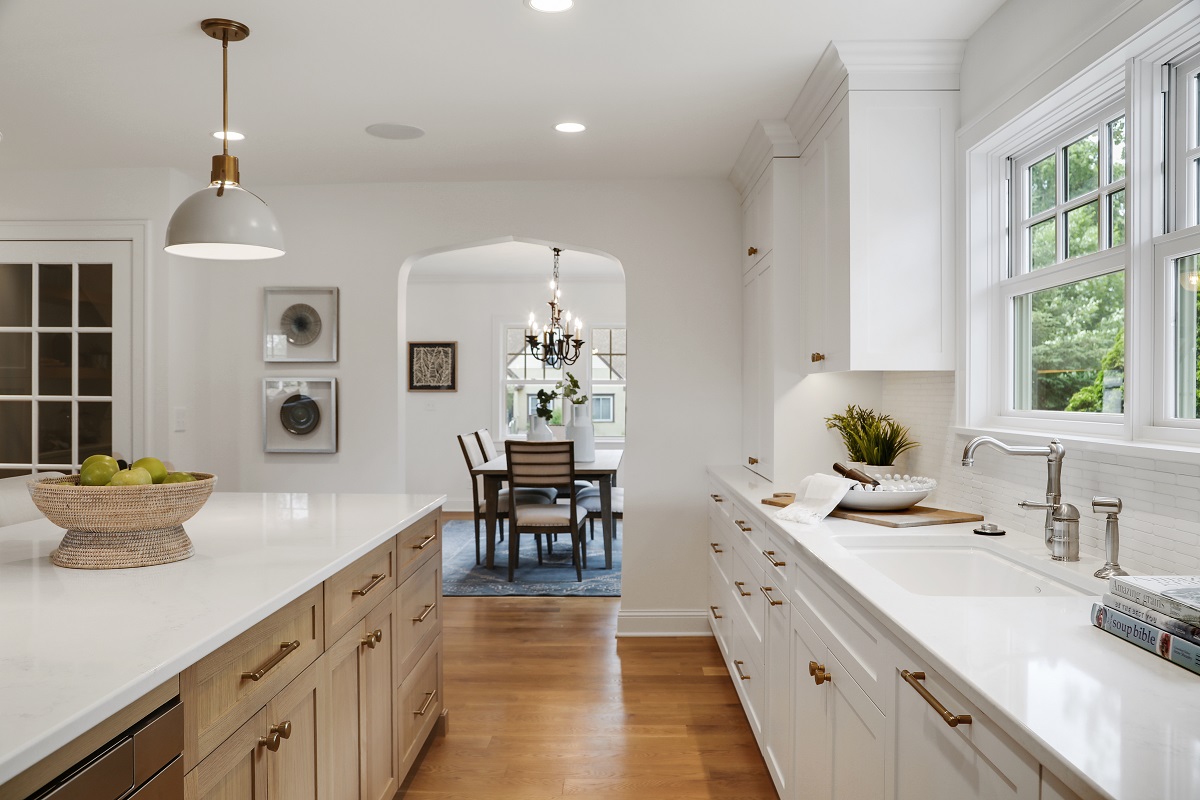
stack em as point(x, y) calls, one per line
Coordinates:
point(592, 385)
point(1135, 69)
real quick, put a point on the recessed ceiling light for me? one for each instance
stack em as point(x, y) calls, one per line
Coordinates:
point(570, 127)
point(550, 6)
point(234, 136)
point(386, 130)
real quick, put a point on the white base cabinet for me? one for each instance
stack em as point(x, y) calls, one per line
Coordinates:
point(822, 682)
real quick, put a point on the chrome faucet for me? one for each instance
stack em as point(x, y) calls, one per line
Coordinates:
point(1110, 507)
point(1062, 519)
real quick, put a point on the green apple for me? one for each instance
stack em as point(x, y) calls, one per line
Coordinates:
point(98, 473)
point(87, 462)
point(134, 476)
point(158, 472)
point(179, 477)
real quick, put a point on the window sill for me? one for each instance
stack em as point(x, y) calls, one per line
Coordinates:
point(1158, 451)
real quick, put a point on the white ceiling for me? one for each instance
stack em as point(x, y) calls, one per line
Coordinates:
point(668, 88)
point(514, 262)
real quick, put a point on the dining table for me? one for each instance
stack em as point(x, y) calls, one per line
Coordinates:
point(603, 470)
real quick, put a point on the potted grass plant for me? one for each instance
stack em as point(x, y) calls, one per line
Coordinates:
point(874, 440)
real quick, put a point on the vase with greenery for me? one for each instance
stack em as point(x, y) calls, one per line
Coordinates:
point(579, 424)
point(539, 430)
point(871, 438)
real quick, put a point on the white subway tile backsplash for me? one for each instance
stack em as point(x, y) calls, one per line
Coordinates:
point(1160, 524)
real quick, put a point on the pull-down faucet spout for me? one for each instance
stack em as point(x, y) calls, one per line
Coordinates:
point(1060, 517)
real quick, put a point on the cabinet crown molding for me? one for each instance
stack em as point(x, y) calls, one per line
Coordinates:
point(770, 138)
point(930, 65)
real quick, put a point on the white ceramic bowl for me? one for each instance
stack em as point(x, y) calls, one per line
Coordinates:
point(890, 495)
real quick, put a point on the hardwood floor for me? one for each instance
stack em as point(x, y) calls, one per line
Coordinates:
point(545, 702)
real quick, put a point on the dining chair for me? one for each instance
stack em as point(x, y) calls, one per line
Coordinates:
point(484, 437)
point(474, 457)
point(591, 502)
point(540, 464)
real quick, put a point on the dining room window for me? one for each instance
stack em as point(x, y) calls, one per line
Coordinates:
point(602, 377)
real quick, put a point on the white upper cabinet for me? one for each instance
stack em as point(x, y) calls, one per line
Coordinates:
point(876, 125)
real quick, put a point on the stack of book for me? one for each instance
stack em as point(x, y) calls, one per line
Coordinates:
point(1159, 613)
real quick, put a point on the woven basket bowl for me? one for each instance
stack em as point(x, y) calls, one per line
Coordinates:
point(119, 509)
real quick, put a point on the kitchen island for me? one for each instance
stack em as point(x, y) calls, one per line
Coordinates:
point(77, 646)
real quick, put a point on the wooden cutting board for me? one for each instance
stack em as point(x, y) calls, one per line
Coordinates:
point(908, 518)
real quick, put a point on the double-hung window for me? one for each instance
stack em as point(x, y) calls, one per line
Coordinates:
point(1065, 288)
point(1083, 244)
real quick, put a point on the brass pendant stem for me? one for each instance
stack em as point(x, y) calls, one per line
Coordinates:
point(225, 94)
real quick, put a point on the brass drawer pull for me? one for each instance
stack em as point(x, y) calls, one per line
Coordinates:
point(815, 357)
point(740, 584)
point(766, 590)
point(716, 546)
point(751, 251)
point(953, 720)
point(424, 542)
point(375, 581)
point(275, 738)
point(751, 460)
point(284, 649)
point(373, 638)
point(738, 666)
point(818, 673)
point(425, 613)
point(770, 554)
point(717, 498)
point(742, 526)
point(713, 609)
point(428, 699)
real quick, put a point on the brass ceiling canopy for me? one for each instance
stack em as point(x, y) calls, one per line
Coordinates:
point(225, 29)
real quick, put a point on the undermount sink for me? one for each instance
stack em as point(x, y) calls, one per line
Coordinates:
point(937, 566)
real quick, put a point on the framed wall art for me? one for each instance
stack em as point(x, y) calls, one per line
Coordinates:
point(300, 323)
point(300, 415)
point(433, 366)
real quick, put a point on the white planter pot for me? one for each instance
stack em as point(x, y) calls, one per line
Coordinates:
point(539, 431)
point(581, 432)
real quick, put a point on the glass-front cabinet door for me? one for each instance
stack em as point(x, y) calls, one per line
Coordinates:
point(65, 354)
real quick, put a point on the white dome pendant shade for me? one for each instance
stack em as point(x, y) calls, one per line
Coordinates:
point(224, 221)
point(234, 226)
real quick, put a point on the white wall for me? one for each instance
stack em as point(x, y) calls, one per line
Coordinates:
point(434, 462)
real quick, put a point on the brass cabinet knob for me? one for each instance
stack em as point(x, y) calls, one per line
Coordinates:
point(817, 357)
point(751, 251)
point(277, 734)
point(284, 729)
point(371, 639)
point(752, 460)
point(818, 673)
point(271, 742)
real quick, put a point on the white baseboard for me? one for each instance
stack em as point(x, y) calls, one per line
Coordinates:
point(663, 622)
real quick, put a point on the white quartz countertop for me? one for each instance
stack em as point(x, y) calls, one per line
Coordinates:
point(78, 645)
point(1109, 718)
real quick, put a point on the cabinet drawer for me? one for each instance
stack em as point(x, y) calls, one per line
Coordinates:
point(236, 769)
point(719, 505)
point(750, 679)
point(751, 534)
point(418, 542)
point(358, 588)
point(848, 631)
point(419, 701)
point(750, 619)
point(419, 613)
point(225, 688)
point(719, 608)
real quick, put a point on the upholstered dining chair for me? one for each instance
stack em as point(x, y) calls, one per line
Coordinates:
point(591, 502)
point(474, 456)
point(489, 451)
point(540, 464)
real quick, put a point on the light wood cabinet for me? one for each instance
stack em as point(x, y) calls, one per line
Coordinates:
point(360, 674)
point(344, 722)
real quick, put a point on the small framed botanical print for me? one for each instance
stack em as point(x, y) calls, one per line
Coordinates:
point(300, 323)
point(433, 366)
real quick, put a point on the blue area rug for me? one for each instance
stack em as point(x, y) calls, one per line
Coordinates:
point(555, 577)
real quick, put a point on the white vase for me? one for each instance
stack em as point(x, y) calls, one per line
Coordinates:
point(581, 432)
point(539, 431)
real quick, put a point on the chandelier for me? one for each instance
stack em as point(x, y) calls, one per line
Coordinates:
point(552, 344)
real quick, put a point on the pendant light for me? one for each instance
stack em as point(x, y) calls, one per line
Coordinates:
point(224, 221)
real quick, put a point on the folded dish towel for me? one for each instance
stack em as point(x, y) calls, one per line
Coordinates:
point(816, 496)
